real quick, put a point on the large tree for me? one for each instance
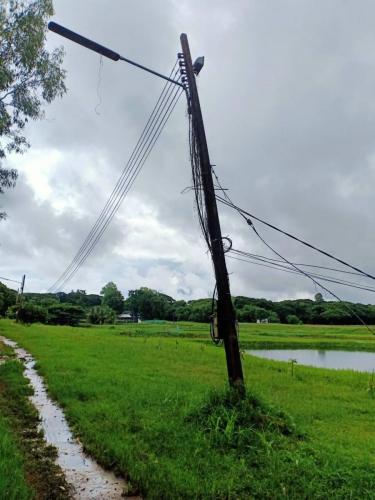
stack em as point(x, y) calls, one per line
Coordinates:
point(112, 297)
point(30, 75)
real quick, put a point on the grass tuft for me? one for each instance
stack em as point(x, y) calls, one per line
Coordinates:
point(233, 422)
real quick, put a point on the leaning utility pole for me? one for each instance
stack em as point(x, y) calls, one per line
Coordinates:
point(225, 311)
point(226, 318)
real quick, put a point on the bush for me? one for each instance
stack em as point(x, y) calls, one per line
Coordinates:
point(65, 314)
point(250, 313)
point(292, 319)
point(28, 313)
point(99, 315)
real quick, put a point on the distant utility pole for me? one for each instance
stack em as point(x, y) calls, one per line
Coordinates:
point(226, 318)
point(20, 290)
point(20, 295)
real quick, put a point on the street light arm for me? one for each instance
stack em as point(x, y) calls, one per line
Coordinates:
point(100, 49)
point(81, 40)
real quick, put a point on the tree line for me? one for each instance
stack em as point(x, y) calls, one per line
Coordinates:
point(147, 304)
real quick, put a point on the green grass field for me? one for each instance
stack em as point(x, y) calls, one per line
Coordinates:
point(138, 396)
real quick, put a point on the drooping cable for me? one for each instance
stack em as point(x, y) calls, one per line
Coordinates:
point(229, 202)
point(250, 223)
point(129, 184)
point(313, 247)
point(288, 269)
point(151, 132)
point(138, 149)
point(196, 171)
point(269, 259)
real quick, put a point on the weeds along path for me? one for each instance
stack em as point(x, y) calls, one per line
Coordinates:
point(87, 478)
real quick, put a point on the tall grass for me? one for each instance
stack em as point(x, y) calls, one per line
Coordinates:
point(13, 485)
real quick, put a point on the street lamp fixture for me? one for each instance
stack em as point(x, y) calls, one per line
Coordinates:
point(100, 49)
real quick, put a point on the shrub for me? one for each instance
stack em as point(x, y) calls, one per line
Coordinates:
point(292, 319)
point(101, 314)
point(65, 314)
point(28, 313)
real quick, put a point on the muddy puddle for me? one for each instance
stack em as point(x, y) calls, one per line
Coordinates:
point(88, 479)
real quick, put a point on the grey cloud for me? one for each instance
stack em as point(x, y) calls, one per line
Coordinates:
point(287, 97)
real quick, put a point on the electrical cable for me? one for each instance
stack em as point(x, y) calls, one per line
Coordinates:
point(8, 279)
point(197, 180)
point(244, 212)
point(142, 141)
point(262, 257)
point(128, 186)
point(158, 118)
point(229, 202)
point(216, 340)
point(277, 263)
point(250, 223)
point(286, 269)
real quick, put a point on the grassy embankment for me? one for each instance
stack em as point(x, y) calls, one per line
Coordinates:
point(27, 469)
point(263, 336)
point(12, 472)
point(137, 398)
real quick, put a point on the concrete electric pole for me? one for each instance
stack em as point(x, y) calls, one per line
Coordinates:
point(226, 318)
point(225, 311)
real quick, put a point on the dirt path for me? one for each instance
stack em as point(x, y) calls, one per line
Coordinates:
point(87, 478)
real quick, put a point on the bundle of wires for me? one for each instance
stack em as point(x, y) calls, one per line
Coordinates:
point(149, 136)
point(196, 171)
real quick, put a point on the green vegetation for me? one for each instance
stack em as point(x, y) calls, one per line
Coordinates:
point(152, 305)
point(30, 75)
point(99, 315)
point(27, 468)
point(7, 298)
point(112, 297)
point(12, 473)
point(147, 400)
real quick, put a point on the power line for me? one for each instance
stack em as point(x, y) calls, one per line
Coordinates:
point(229, 203)
point(277, 262)
point(290, 270)
point(120, 199)
point(116, 192)
point(142, 141)
point(256, 256)
point(8, 279)
point(310, 277)
point(160, 115)
point(89, 248)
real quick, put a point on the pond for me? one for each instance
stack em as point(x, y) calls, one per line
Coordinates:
point(339, 360)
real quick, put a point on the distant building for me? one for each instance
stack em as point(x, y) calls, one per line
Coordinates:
point(127, 317)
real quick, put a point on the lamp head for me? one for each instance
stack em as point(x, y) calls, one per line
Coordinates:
point(198, 65)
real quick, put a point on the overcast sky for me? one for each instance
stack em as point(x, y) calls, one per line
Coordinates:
point(288, 97)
